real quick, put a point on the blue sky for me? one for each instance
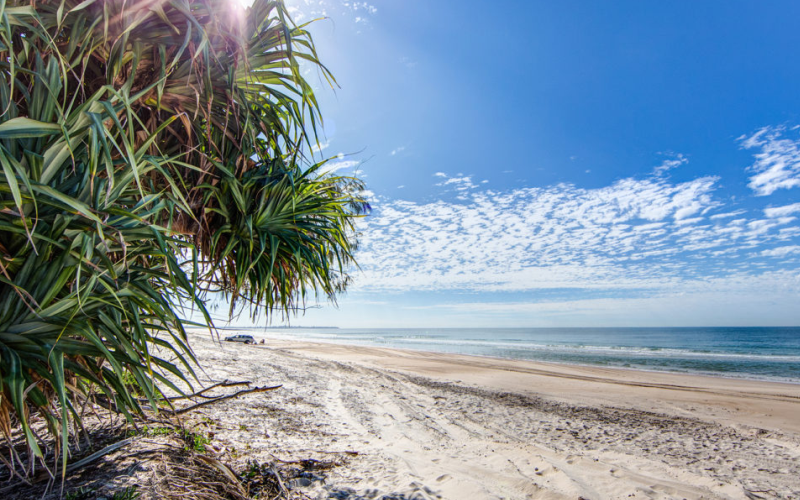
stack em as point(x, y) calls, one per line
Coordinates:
point(566, 163)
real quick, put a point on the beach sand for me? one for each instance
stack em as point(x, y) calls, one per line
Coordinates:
point(418, 425)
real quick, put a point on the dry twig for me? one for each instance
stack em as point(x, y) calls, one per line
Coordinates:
point(223, 398)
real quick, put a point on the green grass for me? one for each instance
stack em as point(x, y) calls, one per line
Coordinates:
point(129, 493)
point(152, 431)
point(195, 441)
point(81, 493)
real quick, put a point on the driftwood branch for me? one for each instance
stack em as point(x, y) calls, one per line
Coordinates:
point(281, 486)
point(224, 383)
point(223, 398)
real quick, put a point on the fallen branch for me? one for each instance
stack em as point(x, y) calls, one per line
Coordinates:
point(345, 452)
point(223, 398)
point(141, 453)
point(224, 383)
point(224, 469)
point(300, 462)
point(281, 486)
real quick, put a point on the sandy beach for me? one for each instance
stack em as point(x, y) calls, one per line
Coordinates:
point(417, 425)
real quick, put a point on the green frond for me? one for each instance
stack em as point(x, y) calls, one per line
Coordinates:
point(149, 154)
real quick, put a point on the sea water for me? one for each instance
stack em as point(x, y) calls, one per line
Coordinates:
point(765, 353)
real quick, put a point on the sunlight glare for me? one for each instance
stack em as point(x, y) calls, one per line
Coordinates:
point(242, 4)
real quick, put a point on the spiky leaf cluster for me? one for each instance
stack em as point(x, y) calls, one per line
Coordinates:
point(151, 155)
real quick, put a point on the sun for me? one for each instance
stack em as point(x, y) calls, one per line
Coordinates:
point(242, 4)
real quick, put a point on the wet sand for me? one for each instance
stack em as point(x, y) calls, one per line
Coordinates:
point(418, 425)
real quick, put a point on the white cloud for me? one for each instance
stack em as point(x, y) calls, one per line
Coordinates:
point(397, 150)
point(782, 211)
point(636, 234)
point(461, 183)
point(727, 214)
point(334, 166)
point(316, 148)
point(675, 160)
point(305, 10)
point(359, 6)
point(368, 195)
point(777, 164)
point(781, 251)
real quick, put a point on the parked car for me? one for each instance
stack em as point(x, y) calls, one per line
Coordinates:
point(247, 339)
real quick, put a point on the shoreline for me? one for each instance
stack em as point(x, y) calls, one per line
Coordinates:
point(428, 425)
point(759, 403)
point(720, 375)
point(638, 362)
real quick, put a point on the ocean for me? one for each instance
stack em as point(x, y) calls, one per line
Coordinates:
point(761, 353)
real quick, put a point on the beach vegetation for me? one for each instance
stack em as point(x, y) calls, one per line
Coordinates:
point(128, 493)
point(81, 493)
point(152, 431)
point(195, 441)
point(151, 159)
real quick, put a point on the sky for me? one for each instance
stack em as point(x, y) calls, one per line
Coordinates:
point(555, 164)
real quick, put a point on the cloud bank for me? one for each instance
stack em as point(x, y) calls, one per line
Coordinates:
point(649, 235)
point(777, 164)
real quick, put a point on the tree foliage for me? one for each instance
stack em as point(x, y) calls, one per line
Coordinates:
point(151, 155)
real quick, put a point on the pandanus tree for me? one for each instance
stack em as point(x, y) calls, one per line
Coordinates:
point(151, 154)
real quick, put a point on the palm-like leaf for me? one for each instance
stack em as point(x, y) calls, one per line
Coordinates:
point(149, 155)
point(279, 232)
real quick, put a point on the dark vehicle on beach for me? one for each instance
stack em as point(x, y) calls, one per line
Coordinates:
point(247, 339)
